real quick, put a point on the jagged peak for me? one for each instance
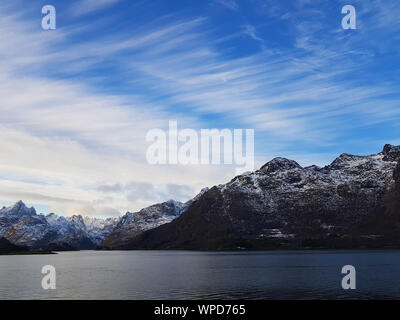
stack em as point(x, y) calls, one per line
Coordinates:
point(278, 164)
point(172, 202)
point(197, 197)
point(76, 217)
point(19, 208)
point(18, 205)
point(347, 156)
point(388, 147)
point(391, 153)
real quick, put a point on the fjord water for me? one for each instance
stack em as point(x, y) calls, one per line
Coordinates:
point(202, 275)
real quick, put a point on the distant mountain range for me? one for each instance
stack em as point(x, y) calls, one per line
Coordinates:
point(22, 226)
point(352, 203)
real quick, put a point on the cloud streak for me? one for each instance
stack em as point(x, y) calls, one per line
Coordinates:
point(230, 4)
point(83, 7)
point(76, 103)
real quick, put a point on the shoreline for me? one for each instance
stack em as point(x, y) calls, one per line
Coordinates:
point(26, 253)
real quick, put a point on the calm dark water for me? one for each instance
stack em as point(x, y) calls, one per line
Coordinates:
point(202, 275)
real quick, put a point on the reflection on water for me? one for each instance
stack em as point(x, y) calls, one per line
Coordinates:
point(202, 275)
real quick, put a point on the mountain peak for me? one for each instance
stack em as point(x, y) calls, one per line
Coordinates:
point(18, 209)
point(391, 153)
point(283, 205)
point(279, 164)
point(18, 204)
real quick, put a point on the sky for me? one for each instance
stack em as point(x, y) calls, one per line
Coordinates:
point(76, 102)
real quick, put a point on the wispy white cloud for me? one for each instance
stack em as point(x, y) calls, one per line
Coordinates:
point(83, 7)
point(230, 4)
point(251, 31)
point(66, 142)
point(61, 139)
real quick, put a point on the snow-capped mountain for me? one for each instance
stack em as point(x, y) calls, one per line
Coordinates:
point(23, 226)
point(353, 202)
point(132, 224)
point(99, 229)
point(88, 231)
point(349, 203)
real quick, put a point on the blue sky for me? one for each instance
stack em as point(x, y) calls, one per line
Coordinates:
point(77, 101)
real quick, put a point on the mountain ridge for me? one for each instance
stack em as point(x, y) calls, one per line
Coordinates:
point(22, 226)
point(283, 205)
point(352, 202)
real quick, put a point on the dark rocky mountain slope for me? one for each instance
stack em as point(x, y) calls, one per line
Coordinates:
point(351, 203)
point(6, 247)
